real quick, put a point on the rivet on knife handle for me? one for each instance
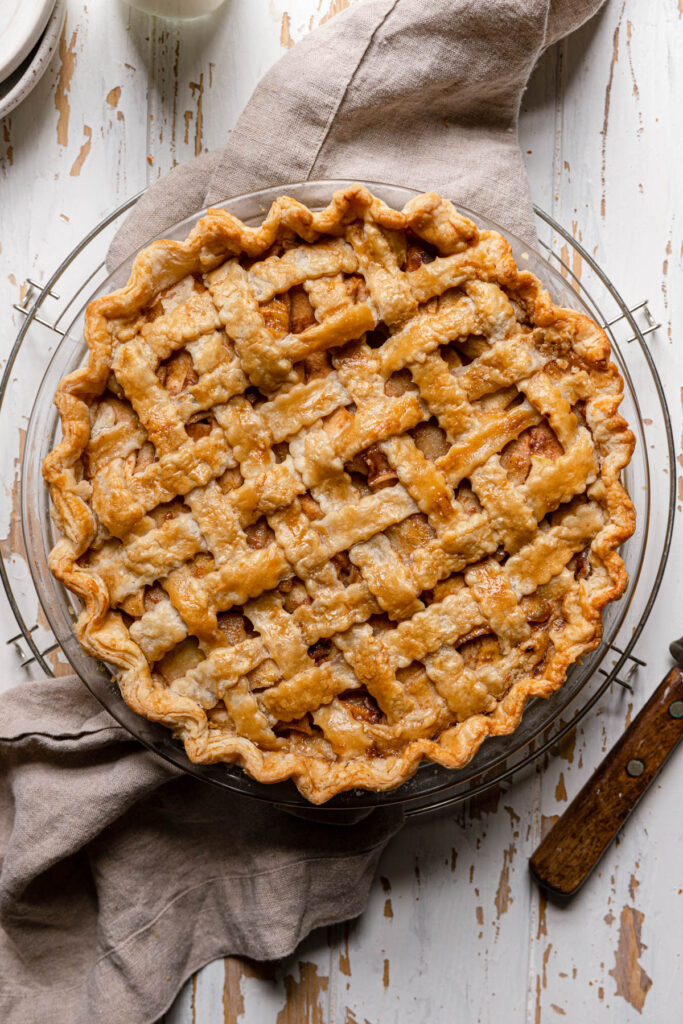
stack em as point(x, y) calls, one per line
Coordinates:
point(578, 840)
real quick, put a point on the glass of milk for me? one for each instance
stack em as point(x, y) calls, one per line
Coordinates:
point(177, 8)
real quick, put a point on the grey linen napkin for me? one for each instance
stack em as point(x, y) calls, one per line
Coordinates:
point(421, 93)
point(120, 877)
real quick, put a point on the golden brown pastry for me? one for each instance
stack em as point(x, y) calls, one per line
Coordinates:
point(341, 492)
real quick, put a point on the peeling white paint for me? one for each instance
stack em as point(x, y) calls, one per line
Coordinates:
point(467, 937)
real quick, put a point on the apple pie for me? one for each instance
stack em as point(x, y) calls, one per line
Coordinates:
point(339, 493)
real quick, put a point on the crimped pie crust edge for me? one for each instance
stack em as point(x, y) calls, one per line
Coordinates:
point(101, 631)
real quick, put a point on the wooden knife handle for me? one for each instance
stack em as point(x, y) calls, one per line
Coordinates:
point(578, 840)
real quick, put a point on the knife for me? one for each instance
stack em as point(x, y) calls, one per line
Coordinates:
point(576, 842)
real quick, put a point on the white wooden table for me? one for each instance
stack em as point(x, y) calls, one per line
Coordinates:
point(454, 931)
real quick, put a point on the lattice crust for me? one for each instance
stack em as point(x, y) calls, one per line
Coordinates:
point(340, 492)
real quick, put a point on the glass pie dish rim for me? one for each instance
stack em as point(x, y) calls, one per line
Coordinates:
point(232, 776)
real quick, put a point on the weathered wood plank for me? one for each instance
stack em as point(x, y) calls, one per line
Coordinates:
point(611, 955)
point(454, 927)
point(69, 154)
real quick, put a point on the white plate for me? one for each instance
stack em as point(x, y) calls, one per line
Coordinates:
point(22, 23)
point(19, 84)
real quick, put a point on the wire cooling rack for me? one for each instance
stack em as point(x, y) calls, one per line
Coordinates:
point(47, 310)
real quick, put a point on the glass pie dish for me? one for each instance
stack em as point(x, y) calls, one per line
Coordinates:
point(543, 721)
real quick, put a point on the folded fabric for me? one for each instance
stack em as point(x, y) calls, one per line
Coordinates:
point(425, 95)
point(121, 876)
